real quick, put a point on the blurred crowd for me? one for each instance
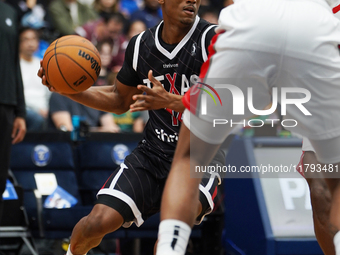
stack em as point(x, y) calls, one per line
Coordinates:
point(108, 24)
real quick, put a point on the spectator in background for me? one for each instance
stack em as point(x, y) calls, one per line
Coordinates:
point(61, 110)
point(36, 96)
point(129, 122)
point(87, 2)
point(106, 7)
point(126, 122)
point(209, 14)
point(22, 7)
point(109, 28)
point(127, 7)
point(105, 75)
point(12, 101)
point(32, 14)
point(150, 14)
point(135, 28)
point(66, 15)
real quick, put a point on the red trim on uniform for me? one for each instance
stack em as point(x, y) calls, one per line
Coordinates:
point(214, 194)
point(218, 203)
point(211, 50)
point(336, 9)
point(106, 181)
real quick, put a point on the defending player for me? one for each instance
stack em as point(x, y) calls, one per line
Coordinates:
point(174, 51)
point(265, 45)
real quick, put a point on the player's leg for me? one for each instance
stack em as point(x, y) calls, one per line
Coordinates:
point(207, 193)
point(320, 197)
point(199, 215)
point(178, 212)
point(321, 204)
point(328, 153)
point(129, 195)
point(106, 216)
point(322, 129)
point(334, 186)
point(90, 230)
point(316, 70)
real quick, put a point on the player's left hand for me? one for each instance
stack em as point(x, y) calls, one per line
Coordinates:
point(19, 130)
point(152, 98)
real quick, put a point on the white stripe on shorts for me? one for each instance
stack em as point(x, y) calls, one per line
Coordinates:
point(114, 181)
point(125, 198)
point(205, 191)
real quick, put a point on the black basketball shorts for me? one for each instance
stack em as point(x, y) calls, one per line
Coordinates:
point(135, 188)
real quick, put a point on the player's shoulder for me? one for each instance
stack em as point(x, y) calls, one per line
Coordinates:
point(146, 34)
point(207, 32)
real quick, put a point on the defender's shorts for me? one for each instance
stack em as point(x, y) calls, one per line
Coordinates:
point(268, 45)
point(135, 189)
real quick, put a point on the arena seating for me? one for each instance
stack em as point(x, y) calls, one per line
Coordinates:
point(30, 158)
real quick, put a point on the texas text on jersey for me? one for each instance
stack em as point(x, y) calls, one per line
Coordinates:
point(177, 67)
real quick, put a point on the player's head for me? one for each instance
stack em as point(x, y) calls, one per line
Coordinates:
point(183, 11)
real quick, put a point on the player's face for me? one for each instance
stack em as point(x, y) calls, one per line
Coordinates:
point(184, 11)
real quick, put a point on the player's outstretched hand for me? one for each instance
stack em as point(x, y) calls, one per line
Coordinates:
point(41, 74)
point(152, 98)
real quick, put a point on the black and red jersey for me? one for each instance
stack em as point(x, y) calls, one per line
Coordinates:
point(177, 67)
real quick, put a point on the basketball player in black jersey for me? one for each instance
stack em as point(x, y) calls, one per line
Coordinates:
point(169, 56)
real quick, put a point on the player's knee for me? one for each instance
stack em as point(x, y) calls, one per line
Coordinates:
point(99, 223)
point(93, 226)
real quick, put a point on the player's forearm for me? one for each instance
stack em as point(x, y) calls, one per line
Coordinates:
point(175, 103)
point(101, 98)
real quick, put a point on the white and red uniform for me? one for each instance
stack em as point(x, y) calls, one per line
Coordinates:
point(281, 44)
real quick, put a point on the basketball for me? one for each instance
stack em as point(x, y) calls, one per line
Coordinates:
point(71, 64)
